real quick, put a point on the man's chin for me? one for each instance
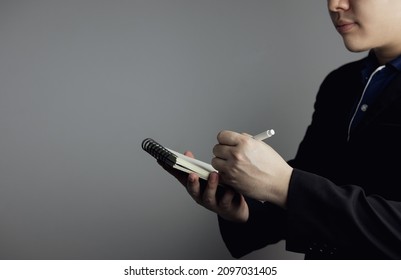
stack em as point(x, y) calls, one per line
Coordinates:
point(356, 48)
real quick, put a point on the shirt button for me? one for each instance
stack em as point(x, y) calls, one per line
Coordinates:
point(364, 107)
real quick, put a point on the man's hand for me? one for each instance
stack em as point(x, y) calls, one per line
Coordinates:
point(230, 205)
point(252, 167)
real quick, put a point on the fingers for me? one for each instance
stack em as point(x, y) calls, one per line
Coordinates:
point(226, 201)
point(230, 138)
point(229, 144)
point(209, 198)
point(206, 196)
point(224, 154)
point(221, 151)
point(220, 165)
point(189, 154)
point(226, 148)
point(227, 204)
point(193, 187)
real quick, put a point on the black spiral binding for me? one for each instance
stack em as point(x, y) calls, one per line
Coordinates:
point(158, 151)
point(165, 156)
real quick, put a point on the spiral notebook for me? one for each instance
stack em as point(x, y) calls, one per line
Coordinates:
point(177, 160)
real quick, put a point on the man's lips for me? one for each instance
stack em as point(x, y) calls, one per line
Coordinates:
point(345, 26)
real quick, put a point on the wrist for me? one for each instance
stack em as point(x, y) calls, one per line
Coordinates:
point(279, 192)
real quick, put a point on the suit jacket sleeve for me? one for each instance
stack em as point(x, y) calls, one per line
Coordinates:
point(342, 219)
point(266, 225)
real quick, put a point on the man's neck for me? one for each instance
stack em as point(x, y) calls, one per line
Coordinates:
point(384, 55)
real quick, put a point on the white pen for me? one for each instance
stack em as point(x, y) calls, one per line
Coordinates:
point(264, 135)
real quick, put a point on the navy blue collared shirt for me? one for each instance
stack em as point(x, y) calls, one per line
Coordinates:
point(375, 78)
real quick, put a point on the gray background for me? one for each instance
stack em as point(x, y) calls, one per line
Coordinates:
point(83, 82)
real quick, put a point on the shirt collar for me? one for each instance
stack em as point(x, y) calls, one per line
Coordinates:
point(371, 62)
point(396, 63)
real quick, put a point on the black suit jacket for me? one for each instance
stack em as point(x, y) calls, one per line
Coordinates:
point(344, 199)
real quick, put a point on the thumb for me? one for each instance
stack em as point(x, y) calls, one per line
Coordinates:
point(189, 154)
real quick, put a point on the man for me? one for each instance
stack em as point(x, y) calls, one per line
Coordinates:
point(340, 198)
